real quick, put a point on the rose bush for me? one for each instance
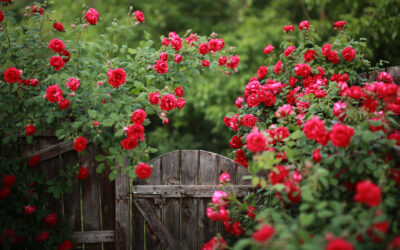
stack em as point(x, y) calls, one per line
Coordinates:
point(321, 149)
point(54, 81)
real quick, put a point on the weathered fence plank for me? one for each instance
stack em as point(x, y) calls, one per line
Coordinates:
point(94, 236)
point(171, 176)
point(122, 209)
point(190, 170)
point(208, 176)
point(151, 239)
point(90, 195)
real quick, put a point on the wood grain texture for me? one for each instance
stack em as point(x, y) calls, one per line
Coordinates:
point(171, 176)
point(145, 209)
point(240, 173)
point(122, 210)
point(152, 241)
point(107, 195)
point(190, 168)
point(94, 236)
point(90, 194)
point(208, 176)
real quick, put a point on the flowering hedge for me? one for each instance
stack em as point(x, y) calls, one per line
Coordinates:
point(87, 92)
point(320, 143)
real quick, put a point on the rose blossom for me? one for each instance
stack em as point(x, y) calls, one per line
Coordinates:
point(139, 16)
point(56, 45)
point(340, 135)
point(256, 141)
point(143, 171)
point(80, 144)
point(219, 198)
point(263, 234)
point(116, 77)
point(368, 193)
point(83, 173)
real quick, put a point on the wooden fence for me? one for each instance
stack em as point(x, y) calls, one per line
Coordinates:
point(165, 211)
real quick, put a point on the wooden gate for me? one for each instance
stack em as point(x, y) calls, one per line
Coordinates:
point(169, 208)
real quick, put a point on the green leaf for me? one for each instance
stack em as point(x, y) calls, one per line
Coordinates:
point(92, 113)
point(367, 136)
point(306, 219)
point(100, 168)
point(108, 122)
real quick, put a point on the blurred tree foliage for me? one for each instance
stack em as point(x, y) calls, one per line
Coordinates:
point(249, 25)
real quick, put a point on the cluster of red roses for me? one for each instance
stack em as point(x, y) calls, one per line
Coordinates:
point(58, 46)
point(168, 101)
point(379, 99)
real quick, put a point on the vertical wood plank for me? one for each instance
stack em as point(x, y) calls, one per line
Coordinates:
point(72, 205)
point(155, 179)
point(171, 176)
point(395, 73)
point(90, 195)
point(107, 194)
point(190, 168)
point(138, 236)
point(122, 210)
point(240, 172)
point(207, 175)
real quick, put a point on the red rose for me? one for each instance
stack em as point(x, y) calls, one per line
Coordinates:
point(135, 131)
point(316, 156)
point(340, 135)
point(222, 60)
point(304, 25)
point(139, 16)
point(348, 54)
point(164, 56)
point(214, 45)
point(58, 26)
point(28, 210)
point(30, 130)
point(57, 62)
point(368, 193)
point(51, 220)
point(64, 104)
point(314, 128)
point(250, 212)
point(289, 51)
point(256, 141)
point(241, 158)
point(65, 245)
point(249, 120)
point(339, 25)
point(288, 28)
point(333, 57)
point(339, 244)
point(129, 143)
point(212, 214)
point(56, 45)
point(73, 84)
point(34, 82)
point(277, 67)
point(394, 244)
point(4, 192)
point(233, 62)
point(92, 16)
point(235, 142)
point(80, 144)
point(53, 93)
point(376, 230)
point(9, 181)
point(161, 67)
point(205, 63)
point(179, 91)
point(262, 72)
point(34, 10)
point(116, 77)
point(12, 75)
point(268, 49)
point(178, 58)
point(138, 116)
point(263, 234)
point(168, 102)
point(42, 237)
point(143, 171)
point(154, 98)
point(83, 173)
point(309, 55)
point(66, 54)
point(1, 16)
point(34, 160)
point(165, 41)
point(180, 103)
point(204, 48)
point(269, 99)
point(302, 69)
